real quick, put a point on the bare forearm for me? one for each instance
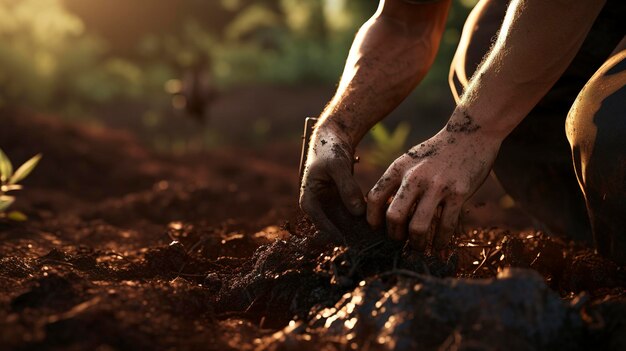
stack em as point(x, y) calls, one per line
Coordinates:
point(389, 57)
point(538, 41)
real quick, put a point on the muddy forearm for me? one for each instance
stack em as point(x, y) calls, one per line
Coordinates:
point(537, 42)
point(390, 55)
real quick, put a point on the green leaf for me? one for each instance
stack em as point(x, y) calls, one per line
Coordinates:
point(12, 187)
point(17, 216)
point(25, 169)
point(400, 135)
point(388, 144)
point(5, 202)
point(380, 134)
point(6, 168)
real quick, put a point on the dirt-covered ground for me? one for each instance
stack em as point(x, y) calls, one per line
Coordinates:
point(129, 250)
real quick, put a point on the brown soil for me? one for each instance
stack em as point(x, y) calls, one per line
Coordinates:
point(125, 249)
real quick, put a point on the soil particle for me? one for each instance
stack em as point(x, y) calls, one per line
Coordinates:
point(51, 291)
point(591, 272)
point(15, 267)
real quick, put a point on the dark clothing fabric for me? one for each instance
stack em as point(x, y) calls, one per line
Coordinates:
point(535, 164)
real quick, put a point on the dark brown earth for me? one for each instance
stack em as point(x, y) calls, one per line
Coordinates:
point(128, 250)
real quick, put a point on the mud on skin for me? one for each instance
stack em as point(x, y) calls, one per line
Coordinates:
point(422, 151)
point(466, 125)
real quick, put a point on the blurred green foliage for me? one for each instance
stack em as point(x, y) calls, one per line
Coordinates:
point(388, 145)
point(69, 56)
point(48, 60)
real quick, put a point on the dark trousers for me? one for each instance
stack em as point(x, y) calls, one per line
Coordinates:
point(569, 176)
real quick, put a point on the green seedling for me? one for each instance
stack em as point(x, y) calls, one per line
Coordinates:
point(9, 181)
point(388, 145)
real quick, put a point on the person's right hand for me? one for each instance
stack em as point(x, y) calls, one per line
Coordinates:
point(328, 169)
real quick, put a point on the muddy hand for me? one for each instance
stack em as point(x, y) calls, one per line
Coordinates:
point(328, 170)
point(442, 172)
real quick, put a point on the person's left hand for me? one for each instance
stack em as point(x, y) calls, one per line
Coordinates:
point(443, 171)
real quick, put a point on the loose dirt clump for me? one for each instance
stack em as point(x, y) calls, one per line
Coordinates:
point(410, 311)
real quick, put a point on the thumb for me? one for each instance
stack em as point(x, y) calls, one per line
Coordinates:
point(349, 190)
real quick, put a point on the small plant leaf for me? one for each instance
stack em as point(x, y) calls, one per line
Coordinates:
point(6, 168)
point(17, 216)
point(388, 144)
point(12, 187)
point(5, 202)
point(400, 135)
point(25, 169)
point(380, 134)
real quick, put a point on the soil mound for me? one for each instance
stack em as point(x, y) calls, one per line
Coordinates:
point(126, 250)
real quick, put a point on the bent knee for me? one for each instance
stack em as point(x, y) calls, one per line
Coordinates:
point(596, 129)
point(596, 123)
